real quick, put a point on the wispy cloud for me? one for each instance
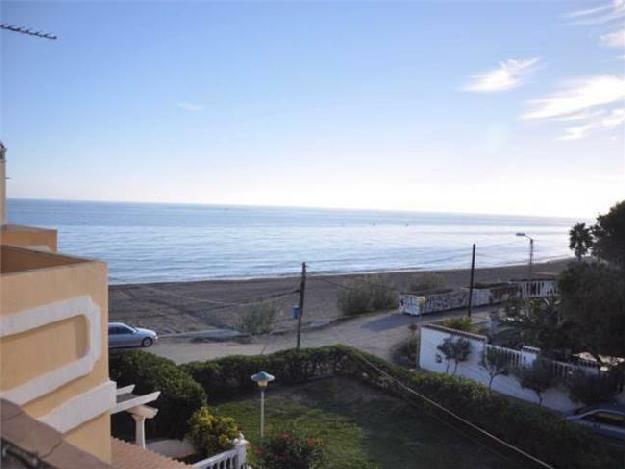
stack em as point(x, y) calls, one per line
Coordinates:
point(578, 95)
point(615, 39)
point(594, 103)
point(510, 74)
point(614, 119)
point(602, 14)
point(191, 107)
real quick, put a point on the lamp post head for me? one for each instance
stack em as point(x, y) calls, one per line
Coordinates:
point(262, 378)
point(522, 235)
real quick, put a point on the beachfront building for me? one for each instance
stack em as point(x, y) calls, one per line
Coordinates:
point(56, 395)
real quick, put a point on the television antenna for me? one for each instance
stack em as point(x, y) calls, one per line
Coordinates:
point(28, 31)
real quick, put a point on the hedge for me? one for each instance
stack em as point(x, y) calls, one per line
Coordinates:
point(180, 395)
point(534, 429)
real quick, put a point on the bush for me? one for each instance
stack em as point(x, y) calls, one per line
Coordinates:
point(180, 395)
point(211, 434)
point(460, 324)
point(408, 349)
point(229, 376)
point(427, 283)
point(259, 317)
point(366, 295)
point(290, 449)
point(590, 389)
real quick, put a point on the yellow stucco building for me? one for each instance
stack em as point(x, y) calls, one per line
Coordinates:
point(53, 338)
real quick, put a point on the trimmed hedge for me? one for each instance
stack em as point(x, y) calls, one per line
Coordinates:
point(534, 429)
point(180, 395)
point(229, 376)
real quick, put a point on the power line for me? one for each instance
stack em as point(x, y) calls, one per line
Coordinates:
point(457, 417)
point(28, 31)
point(225, 304)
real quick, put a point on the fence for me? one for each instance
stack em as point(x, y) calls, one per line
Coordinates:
point(557, 398)
point(234, 458)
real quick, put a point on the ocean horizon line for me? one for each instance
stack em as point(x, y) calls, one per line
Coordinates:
point(218, 205)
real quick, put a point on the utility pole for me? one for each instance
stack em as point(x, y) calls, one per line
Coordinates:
point(302, 288)
point(529, 274)
point(471, 284)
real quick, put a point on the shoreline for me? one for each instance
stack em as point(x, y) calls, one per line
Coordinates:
point(293, 275)
point(177, 307)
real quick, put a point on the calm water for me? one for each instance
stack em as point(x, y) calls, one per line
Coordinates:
point(167, 242)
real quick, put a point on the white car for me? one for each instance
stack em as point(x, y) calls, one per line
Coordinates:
point(123, 335)
point(607, 419)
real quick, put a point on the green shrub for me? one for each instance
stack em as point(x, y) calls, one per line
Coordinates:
point(259, 318)
point(290, 449)
point(429, 282)
point(211, 434)
point(230, 375)
point(180, 394)
point(460, 324)
point(366, 295)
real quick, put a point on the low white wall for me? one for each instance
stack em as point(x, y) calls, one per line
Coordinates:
point(431, 359)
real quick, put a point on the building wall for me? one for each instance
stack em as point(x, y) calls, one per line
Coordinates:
point(93, 436)
point(28, 236)
point(56, 365)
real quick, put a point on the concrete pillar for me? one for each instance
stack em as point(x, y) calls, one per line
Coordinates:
point(139, 429)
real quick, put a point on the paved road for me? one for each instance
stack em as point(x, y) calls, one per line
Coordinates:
point(377, 333)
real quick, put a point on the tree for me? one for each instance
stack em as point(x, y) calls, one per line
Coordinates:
point(495, 362)
point(609, 235)
point(541, 324)
point(456, 350)
point(580, 240)
point(537, 378)
point(592, 298)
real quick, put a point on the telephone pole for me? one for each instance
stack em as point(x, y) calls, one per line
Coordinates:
point(302, 288)
point(471, 283)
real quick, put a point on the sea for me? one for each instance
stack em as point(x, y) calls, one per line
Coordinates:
point(148, 242)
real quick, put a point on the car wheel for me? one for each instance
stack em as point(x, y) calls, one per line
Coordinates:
point(147, 342)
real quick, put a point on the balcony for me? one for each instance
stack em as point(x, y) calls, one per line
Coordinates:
point(53, 342)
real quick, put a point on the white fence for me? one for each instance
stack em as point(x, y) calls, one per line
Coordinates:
point(432, 359)
point(235, 458)
point(538, 288)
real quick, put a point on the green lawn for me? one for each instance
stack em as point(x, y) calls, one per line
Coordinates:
point(361, 425)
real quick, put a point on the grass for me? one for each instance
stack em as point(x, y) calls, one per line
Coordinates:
point(363, 428)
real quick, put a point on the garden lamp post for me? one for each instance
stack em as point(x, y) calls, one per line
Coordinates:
point(529, 268)
point(262, 378)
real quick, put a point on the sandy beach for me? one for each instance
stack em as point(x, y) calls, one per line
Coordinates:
point(193, 306)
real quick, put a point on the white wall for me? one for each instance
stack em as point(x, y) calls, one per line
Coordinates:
point(556, 398)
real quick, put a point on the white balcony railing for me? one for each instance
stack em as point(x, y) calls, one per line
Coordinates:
point(234, 458)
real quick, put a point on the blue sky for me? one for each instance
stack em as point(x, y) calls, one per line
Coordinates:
point(478, 107)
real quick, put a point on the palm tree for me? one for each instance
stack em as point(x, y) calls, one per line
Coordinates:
point(580, 240)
